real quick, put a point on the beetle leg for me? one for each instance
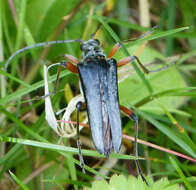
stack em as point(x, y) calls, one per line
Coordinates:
point(114, 50)
point(132, 116)
point(68, 66)
point(71, 58)
point(57, 78)
point(118, 45)
point(78, 107)
point(72, 68)
point(129, 59)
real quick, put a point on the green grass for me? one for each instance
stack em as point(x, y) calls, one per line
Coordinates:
point(33, 156)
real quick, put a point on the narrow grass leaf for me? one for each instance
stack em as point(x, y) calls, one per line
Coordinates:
point(14, 78)
point(21, 92)
point(171, 134)
point(175, 165)
point(20, 183)
point(21, 23)
point(63, 148)
point(38, 137)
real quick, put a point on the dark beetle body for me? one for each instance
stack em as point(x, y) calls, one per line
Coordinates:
point(100, 87)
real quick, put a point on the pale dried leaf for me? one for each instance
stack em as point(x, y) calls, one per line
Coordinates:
point(50, 116)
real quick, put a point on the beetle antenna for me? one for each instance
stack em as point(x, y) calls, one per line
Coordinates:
point(149, 32)
point(162, 68)
point(38, 45)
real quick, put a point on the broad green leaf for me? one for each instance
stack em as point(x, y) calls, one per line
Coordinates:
point(132, 90)
point(121, 183)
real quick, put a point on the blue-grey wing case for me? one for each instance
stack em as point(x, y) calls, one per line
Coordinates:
point(99, 83)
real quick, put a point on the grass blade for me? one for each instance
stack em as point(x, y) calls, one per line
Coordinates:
point(180, 173)
point(20, 183)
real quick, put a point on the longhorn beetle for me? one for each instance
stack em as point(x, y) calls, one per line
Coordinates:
point(99, 85)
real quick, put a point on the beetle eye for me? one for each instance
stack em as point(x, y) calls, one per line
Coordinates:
point(98, 43)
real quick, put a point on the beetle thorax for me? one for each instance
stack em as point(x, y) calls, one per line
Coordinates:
point(91, 49)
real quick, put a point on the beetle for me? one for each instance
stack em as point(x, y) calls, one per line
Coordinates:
point(99, 85)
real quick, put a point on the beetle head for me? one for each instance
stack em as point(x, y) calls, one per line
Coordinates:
point(91, 48)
